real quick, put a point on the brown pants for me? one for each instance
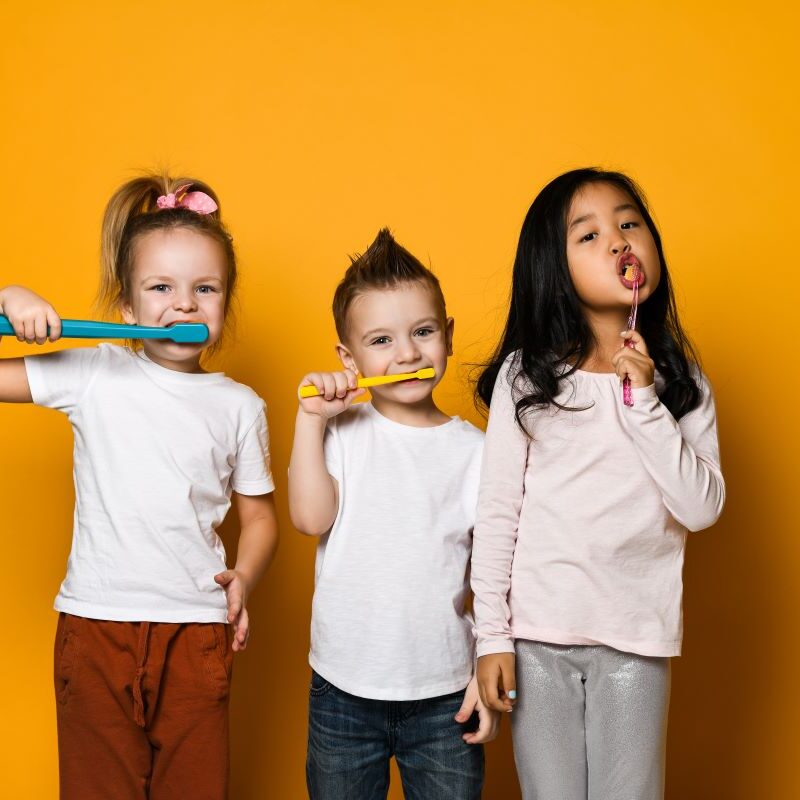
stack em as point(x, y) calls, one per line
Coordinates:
point(142, 709)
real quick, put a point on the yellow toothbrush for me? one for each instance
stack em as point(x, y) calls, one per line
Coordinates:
point(378, 380)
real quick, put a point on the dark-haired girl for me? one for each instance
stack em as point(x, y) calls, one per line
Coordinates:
point(585, 501)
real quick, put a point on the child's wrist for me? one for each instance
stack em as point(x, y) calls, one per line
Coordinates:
point(311, 418)
point(247, 581)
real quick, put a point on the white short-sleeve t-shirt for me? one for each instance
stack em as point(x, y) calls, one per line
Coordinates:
point(157, 455)
point(388, 619)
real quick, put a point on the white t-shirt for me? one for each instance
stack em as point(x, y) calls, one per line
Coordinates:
point(388, 619)
point(157, 455)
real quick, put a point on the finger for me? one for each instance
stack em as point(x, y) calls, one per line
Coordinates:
point(54, 323)
point(329, 386)
point(224, 578)
point(352, 379)
point(40, 328)
point(484, 732)
point(30, 330)
point(636, 339)
point(491, 695)
point(352, 395)
point(235, 597)
point(342, 384)
point(312, 379)
point(241, 631)
point(636, 366)
point(509, 682)
point(467, 707)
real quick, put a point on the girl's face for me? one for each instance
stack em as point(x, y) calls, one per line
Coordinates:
point(604, 225)
point(178, 276)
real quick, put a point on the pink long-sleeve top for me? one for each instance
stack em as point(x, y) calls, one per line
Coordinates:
point(582, 524)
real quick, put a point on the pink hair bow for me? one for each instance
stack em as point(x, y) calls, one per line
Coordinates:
point(199, 202)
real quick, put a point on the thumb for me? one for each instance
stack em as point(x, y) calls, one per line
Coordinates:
point(351, 395)
point(224, 578)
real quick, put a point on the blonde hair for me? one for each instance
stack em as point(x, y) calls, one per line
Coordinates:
point(133, 212)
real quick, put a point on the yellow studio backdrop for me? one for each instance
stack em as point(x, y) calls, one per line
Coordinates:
point(318, 123)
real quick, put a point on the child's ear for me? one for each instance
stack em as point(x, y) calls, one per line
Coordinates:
point(126, 312)
point(346, 357)
point(448, 334)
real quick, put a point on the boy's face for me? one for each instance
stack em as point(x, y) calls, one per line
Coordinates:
point(397, 330)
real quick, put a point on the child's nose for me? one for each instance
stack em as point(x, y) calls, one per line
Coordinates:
point(185, 301)
point(619, 246)
point(408, 351)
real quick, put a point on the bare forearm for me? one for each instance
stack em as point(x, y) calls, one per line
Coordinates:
point(313, 497)
point(258, 541)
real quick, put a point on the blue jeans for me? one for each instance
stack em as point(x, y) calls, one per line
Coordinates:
point(352, 739)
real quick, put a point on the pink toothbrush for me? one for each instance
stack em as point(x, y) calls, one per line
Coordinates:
point(632, 275)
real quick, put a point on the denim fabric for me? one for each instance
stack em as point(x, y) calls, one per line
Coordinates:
point(352, 739)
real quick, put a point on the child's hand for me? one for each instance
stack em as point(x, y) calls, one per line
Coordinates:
point(488, 720)
point(30, 315)
point(497, 682)
point(634, 362)
point(337, 390)
point(235, 587)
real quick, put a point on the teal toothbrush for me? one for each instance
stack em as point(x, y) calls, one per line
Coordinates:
point(183, 332)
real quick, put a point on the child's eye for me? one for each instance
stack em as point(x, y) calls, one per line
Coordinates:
point(628, 225)
point(205, 289)
point(589, 237)
point(423, 332)
point(159, 287)
point(380, 340)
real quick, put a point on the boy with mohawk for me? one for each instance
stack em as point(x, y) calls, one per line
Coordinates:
point(390, 486)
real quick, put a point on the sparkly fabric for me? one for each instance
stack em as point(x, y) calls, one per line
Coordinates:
point(590, 723)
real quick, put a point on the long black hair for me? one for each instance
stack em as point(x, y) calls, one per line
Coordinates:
point(546, 326)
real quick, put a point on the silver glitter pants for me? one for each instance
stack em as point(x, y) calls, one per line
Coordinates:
point(589, 722)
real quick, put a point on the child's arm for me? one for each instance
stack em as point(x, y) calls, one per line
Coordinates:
point(30, 316)
point(313, 493)
point(681, 457)
point(258, 540)
point(505, 458)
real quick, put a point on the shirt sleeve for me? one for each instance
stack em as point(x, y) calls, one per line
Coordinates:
point(60, 379)
point(332, 448)
point(682, 457)
point(252, 474)
point(505, 457)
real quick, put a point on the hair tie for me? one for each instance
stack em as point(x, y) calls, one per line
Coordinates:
point(199, 202)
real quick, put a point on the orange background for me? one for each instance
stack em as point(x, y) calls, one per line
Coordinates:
point(320, 122)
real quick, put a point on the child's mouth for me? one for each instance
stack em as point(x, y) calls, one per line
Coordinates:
point(630, 271)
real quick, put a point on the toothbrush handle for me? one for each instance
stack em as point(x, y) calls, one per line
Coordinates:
point(88, 329)
point(627, 389)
